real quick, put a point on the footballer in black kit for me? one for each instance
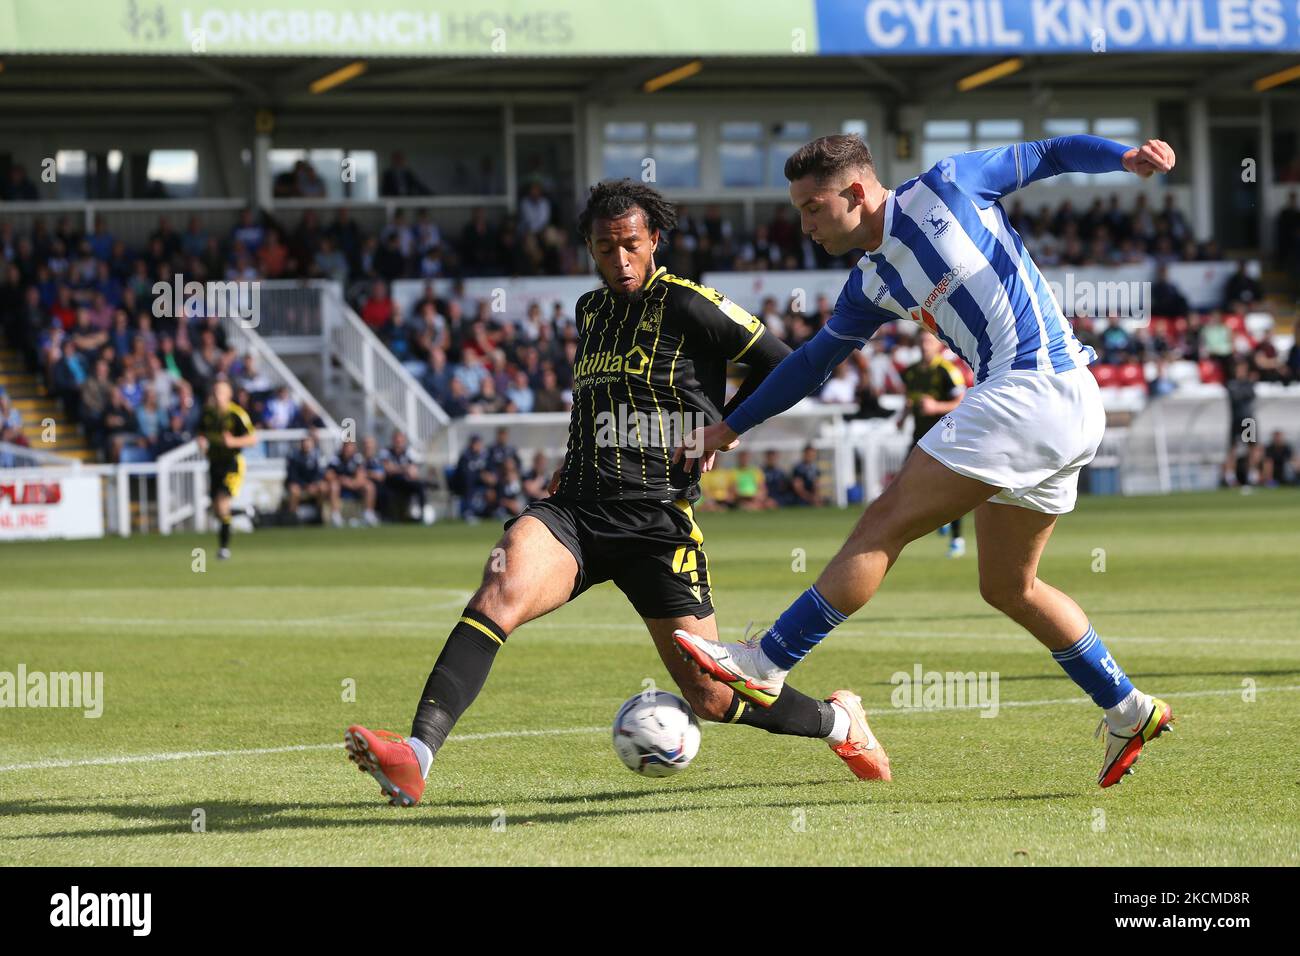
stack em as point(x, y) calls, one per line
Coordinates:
point(650, 370)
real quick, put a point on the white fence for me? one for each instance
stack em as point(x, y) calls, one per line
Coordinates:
point(1179, 442)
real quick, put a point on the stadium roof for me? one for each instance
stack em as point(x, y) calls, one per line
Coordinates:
point(39, 83)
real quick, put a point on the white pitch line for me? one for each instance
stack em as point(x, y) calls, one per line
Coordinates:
point(501, 734)
point(295, 748)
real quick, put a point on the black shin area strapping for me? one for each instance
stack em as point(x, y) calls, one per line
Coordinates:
point(794, 714)
point(457, 677)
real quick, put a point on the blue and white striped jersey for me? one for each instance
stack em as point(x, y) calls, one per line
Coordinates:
point(950, 261)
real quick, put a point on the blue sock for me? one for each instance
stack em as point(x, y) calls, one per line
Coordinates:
point(1090, 666)
point(800, 629)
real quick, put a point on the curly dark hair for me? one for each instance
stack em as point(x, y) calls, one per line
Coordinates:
point(617, 197)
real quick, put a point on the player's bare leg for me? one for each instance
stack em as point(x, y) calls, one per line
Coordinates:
point(840, 721)
point(1011, 542)
point(923, 497)
point(528, 574)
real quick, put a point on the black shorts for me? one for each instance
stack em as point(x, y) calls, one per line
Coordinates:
point(652, 550)
point(226, 477)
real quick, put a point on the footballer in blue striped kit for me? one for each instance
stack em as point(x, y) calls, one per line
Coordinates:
point(940, 251)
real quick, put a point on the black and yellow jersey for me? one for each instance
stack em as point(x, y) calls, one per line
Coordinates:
point(940, 379)
point(648, 370)
point(214, 424)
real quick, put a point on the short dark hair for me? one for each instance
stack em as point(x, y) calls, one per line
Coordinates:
point(825, 157)
point(618, 197)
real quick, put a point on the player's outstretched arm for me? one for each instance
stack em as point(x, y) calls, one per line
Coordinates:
point(989, 174)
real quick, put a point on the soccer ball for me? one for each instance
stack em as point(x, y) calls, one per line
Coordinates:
point(655, 734)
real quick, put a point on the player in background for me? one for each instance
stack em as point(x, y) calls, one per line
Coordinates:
point(940, 251)
point(651, 364)
point(226, 431)
point(934, 388)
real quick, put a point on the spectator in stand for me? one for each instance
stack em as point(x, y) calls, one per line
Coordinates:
point(508, 492)
point(402, 485)
point(804, 479)
point(1116, 343)
point(842, 387)
point(176, 433)
point(11, 422)
point(1241, 288)
point(347, 479)
point(1166, 298)
point(468, 479)
point(1161, 384)
point(1293, 356)
point(751, 489)
point(281, 410)
point(249, 233)
point(400, 180)
point(305, 478)
point(775, 481)
point(1288, 233)
point(480, 251)
point(534, 210)
point(537, 480)
point(379, 308)
point(1280, 464)
point(1242, 427)
point(19, 188)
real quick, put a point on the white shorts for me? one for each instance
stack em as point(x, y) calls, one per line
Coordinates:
point(1027, 432)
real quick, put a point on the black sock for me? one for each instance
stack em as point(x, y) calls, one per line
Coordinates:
point(956, 528)
point(225, 532)
point(457, 677)
point(794, 713)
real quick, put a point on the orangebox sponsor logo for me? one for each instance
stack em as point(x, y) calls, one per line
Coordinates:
point(103, 909)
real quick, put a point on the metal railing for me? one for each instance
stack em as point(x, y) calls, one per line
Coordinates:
point(274, 368)
point(21, 456)
point(387, 386)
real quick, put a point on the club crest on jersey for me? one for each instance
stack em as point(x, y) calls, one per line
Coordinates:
point(934, 222)
point(651, 321)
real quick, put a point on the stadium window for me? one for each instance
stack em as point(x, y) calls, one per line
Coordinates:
point(1125, 129)
point(998, 132)
point(365, 167)
point(942, 138)
point(70, 172)
point(328, 182)
point(626, 146)
point(676, 152)
point(786, 138)
point(854, 127)
point(740, 154)
point(674, 146)
point(172, 174)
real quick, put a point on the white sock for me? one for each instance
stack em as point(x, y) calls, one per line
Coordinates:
point(422, 754)
point(840, 731)
point(763, 665)
point(1127, 712)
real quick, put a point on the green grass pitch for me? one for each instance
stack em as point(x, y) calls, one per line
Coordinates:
point(250, 659)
